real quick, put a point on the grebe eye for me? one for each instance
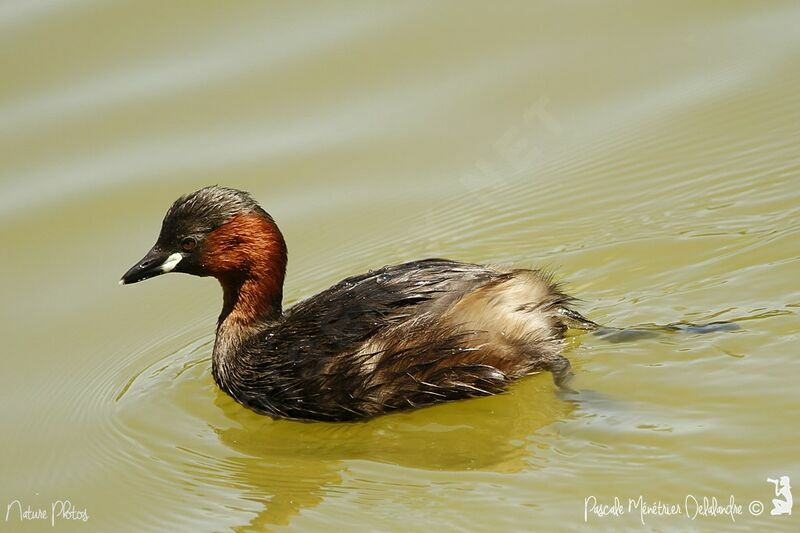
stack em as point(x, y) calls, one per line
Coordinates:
point(188, 244)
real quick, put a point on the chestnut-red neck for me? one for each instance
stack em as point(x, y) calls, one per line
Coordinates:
point(248, 256)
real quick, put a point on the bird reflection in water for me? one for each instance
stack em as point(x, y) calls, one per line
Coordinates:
point(286, 466)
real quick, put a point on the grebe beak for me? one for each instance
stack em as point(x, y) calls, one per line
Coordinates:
point(155, 263)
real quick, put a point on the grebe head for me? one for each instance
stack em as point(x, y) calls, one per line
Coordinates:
point(216, 231)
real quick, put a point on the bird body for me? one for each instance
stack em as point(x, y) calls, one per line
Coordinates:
point(399, 337)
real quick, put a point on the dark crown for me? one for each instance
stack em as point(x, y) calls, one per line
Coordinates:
point(210, 207)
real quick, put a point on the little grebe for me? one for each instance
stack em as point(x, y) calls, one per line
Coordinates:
point(402, 336)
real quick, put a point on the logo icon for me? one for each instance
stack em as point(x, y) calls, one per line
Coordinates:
point(782, 489)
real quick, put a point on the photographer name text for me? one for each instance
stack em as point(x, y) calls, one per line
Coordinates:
point(692, 507)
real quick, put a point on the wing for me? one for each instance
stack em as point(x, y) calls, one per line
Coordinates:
point(344, 316)
point(322, 344)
